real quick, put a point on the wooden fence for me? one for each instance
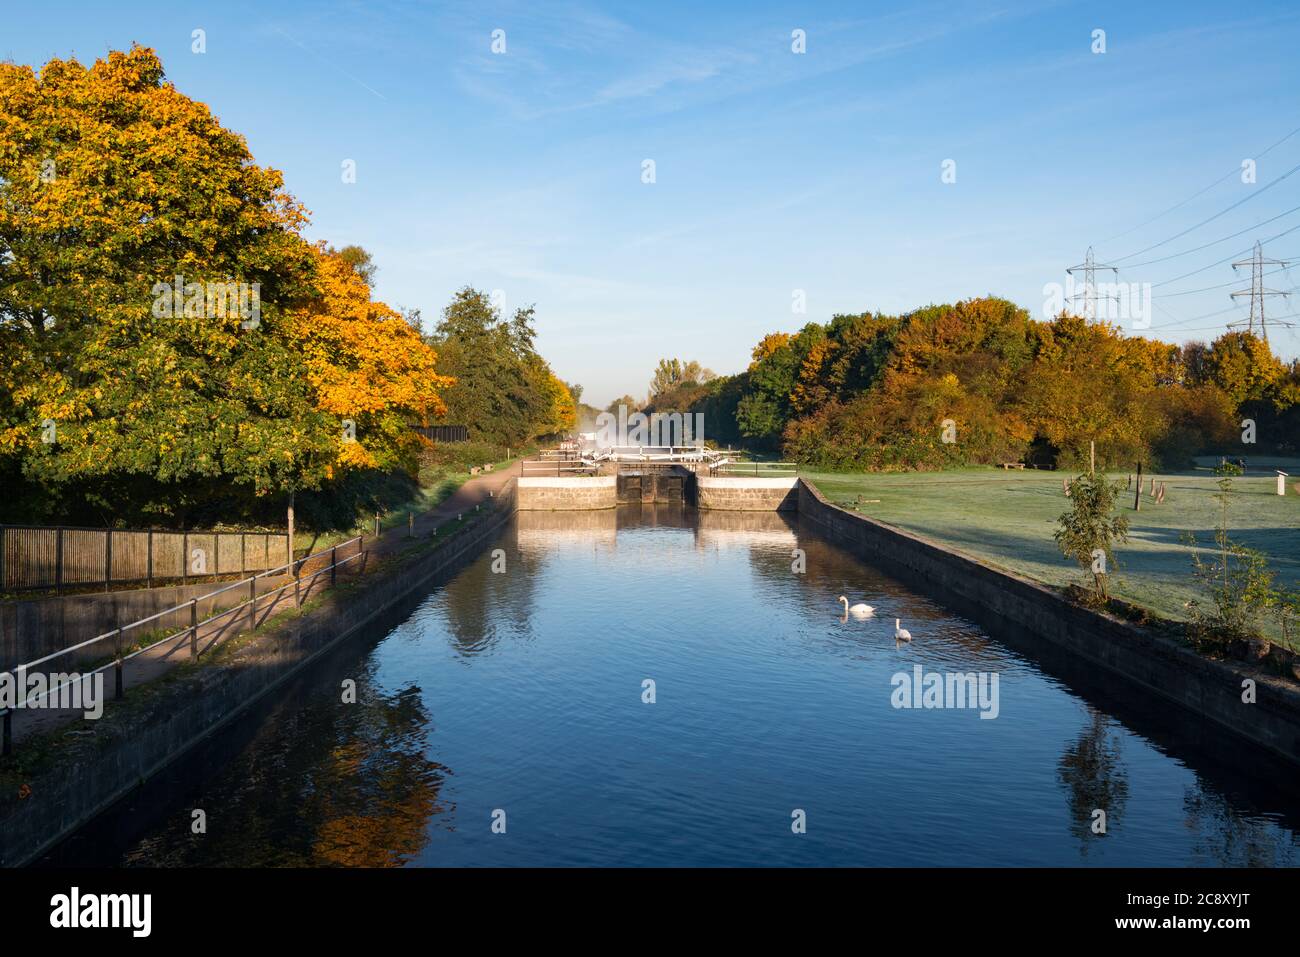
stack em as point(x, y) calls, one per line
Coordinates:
point(59, 557)
point(444, 433)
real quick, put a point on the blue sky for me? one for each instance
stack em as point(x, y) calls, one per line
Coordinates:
point(775, 171)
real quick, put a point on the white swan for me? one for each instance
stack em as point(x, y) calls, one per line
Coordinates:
point(857, 611)
point(901, 634)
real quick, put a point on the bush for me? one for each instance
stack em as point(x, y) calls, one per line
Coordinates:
point(356, 496)
point(1088, 531)
point(1237, 580)
point(459, 456)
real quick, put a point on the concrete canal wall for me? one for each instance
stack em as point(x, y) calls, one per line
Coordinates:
point(1208, 689)
point(136, 739)
point(677, 484)
point(564, 493)
point(747, 493)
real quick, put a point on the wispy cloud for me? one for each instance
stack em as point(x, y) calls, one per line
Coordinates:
point(663, 73)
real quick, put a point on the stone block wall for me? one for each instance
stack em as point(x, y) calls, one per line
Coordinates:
point(747, 494)
point(566, 493)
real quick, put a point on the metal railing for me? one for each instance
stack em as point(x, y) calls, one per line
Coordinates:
point(717, 461)
point(192, 629)
point(557, 467)
point(760, 469)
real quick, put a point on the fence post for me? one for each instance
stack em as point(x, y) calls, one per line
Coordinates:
point(119, 689)
point(58, 560)
point(252, 602)
point(334, 565)
point(297, 586)
point(376, 524)
point(108, 559)
point(194, 627)
point(410, 525)
point(148, 560)
point(185, 556)
point(289, 530)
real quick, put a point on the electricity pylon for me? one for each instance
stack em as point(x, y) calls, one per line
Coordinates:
point(1258, 292)
point(1089, 269)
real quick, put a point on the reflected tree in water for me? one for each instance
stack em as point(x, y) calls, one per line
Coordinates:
point(478, 602)
point(323, 785)
point(1094, 776)
point(1225, 837)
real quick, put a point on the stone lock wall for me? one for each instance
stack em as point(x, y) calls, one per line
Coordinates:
point(747, 494)
point(559, 493)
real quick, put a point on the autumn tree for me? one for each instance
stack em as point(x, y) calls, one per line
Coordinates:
point(360, 261)
point(1243, 366)
point(562, 411)
point(631, 404)
point(113, 184)
point(765, 408)
point(367, 366)
point(979, 381)
point(672, 373)
point(169, 341)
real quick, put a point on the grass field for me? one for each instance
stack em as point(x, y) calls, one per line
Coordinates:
point(1008, 518)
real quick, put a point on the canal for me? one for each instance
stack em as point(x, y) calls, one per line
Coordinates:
point(654, 685)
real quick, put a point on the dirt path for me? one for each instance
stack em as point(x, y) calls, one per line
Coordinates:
point(478, 491)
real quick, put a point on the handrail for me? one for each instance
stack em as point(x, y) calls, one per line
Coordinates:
point(192, 602)
point(6, 714)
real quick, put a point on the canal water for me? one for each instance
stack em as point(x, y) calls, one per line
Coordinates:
point(516, 697)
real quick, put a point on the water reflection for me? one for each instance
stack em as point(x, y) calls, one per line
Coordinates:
point(1095, 778)
point(528, 682)
point(322, 786)
point(1222, 837)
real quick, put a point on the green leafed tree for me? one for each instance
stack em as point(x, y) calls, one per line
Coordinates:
point(112, 184)
point(504, 391)
point(1088, 532)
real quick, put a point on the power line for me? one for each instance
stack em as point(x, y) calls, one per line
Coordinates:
point(1222, 285)
point(1227, 175)
point(1219, 327)
point(1245, 199)
point(1197, 249)
point(1179, 322)
point(1220, 262)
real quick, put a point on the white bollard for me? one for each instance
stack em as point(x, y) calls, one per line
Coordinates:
point(1281, 482)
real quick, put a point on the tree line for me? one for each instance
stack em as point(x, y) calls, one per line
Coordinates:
point(980, 382)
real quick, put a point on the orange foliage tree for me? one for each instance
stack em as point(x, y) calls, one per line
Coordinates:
point(368, 367)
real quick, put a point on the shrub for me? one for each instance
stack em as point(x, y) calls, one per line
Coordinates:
point(1088, 529)
point(459, 456)
point(1237, 579)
